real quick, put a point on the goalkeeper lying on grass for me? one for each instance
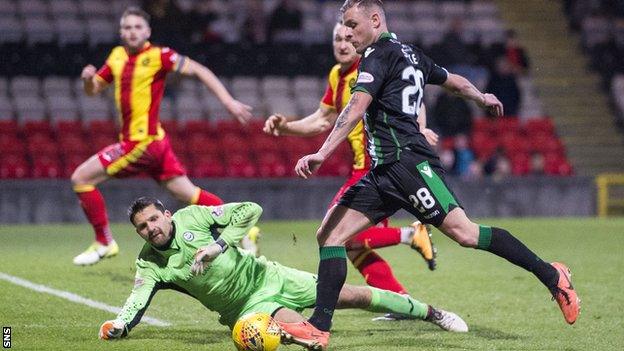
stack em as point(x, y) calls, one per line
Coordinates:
point(194, 251)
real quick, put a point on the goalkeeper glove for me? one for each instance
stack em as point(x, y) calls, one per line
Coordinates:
point(114, 329)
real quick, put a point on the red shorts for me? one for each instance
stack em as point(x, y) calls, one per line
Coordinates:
point(354, 177)
point(152, 157)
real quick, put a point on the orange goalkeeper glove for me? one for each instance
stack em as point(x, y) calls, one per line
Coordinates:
point(114, 329)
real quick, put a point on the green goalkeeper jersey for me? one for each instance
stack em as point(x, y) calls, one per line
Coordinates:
point(229, 280)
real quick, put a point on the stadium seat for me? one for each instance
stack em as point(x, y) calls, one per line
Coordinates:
point(93, 107)
point(198, 126)
point(38, 30)
point(32, 128)
point(539, 125)
point(11, 144)
point(32, 8)
point(200, 144)
point(63, 9)
point(232, 143)
point(42, 145)
point(240, 166)
point(62, 107)
point(6, 109)
point(99, 30)
point(8, 127)
point(272, 164)
point(188, 107)
point(73, 144)
point(171, 127)
point(24, 86)
point(100, 141)
point(102, 127)
point(71, 162)
point(520, 164)
point(47, 167)
point(14, 167)
point(203, 166)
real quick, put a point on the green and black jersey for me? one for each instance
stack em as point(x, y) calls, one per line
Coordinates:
point(395, 74)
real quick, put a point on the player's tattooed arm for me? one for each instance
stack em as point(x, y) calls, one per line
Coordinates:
point(346, 121)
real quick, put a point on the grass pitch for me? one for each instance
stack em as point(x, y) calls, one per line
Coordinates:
point(505, 307)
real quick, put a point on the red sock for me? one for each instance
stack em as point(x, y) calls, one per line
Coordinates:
point(94, 207)
point(377, 272)
point(375, 237)
point(205, 198)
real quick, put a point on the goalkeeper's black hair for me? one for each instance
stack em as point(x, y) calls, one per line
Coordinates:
point(144, 201)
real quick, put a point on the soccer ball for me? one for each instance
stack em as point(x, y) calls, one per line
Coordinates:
point(256, 332)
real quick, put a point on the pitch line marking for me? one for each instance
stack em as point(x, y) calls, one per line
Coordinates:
point(75, 298)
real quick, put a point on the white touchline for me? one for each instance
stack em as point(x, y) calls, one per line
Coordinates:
point(75, 298)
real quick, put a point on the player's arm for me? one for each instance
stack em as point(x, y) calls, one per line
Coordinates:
point(145, 285)
point(430, 135)
point(92, 81)
point(316, 123)
point(236, 108)
point(461, 86)
point(236, 218)
point(347, 120)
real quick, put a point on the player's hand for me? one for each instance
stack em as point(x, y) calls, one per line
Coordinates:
point(239, 110)
point(203, 256)
point(492, 105)
point(114, 329)
point(275, 124)
point(431, 136)
point(308, 164)
point(88, 72)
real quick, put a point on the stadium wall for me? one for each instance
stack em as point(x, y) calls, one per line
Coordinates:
point(46, 201)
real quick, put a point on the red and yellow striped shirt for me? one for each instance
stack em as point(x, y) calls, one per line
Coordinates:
point(139, 86)
point(337, 95)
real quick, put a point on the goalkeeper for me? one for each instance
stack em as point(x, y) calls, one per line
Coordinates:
point(195, 251)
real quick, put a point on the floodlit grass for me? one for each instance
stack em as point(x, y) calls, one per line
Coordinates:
point(505, 307)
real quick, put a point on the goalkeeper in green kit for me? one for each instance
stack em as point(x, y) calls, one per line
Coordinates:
point(195, 251)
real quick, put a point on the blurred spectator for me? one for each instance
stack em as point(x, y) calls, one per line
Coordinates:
point(285, 22)
point(452, 51)
point(537, 163)
point(202, 17)
point(254, 25)
point(497, 166)
point(463, 155)
point(516, 54)
point(166, 24)
point(451, 115)
point(503, 84)
point(447, 158)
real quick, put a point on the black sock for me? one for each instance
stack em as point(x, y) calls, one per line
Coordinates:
point(501, 243)
point(332, 273)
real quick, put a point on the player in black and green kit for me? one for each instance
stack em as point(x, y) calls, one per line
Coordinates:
point(195, 251)
point(406, 173)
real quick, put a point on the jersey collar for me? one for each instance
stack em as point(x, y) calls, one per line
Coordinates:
point(385, 36)
point(353, 67)
point(146, 47)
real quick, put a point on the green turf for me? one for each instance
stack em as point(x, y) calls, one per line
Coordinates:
point(505, 307)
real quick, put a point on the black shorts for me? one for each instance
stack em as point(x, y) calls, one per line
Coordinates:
point(412, 183)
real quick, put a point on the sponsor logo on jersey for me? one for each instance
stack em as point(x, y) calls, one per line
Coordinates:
point(427, 170)
point(365, 77)
point(188, 236)
point(351, 82)
point(217, 211)
point(368, 51)
point(138, 282)
point(146, 61)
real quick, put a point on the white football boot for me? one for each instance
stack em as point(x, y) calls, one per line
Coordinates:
point(96, 252)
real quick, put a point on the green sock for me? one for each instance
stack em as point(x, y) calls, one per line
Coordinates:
point(390, 302)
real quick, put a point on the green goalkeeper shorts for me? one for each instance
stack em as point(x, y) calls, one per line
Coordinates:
point(283, 287)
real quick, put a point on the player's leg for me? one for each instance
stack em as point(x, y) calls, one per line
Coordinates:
point(84, 181)
point(339, 225)
point(375, 270)
point(500, 242)
point(417, 236)
point(377, 300)
point(185, 191)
